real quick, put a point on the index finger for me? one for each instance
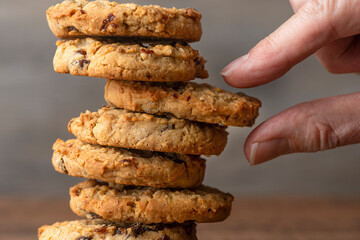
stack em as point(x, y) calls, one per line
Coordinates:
point(309, 29)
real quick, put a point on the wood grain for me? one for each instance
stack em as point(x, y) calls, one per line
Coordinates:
point(252, 218)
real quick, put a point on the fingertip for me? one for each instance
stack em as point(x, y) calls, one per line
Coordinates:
point(263, 144)
point(252, 71)
point(229, 69)
point(249, 148)
point(230, 72)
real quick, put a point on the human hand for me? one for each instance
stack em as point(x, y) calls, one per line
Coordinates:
point(328, 28)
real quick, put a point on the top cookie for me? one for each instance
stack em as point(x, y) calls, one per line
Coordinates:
point(79, 18)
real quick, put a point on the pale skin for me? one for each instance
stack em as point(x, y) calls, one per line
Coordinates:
point(330, 29)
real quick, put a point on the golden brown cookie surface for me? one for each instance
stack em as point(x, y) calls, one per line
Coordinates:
point(129, 167)
point(192, 101)
point(102, 230)
point(119, 203)
point(121, 128)
point(79, 18)
point(114, 60)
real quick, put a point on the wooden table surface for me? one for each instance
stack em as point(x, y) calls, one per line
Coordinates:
point(251, 218)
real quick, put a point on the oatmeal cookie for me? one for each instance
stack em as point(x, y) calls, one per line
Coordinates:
point(121, 203)
point(79, 18)
point(102, 230)
point(192, 101)
point(128, 166)
point(128, 61)
point(121, 128)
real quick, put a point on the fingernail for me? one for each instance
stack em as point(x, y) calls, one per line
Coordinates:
point(233, 65)
point(267, 150)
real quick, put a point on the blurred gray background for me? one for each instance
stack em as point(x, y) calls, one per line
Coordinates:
point(36, 103)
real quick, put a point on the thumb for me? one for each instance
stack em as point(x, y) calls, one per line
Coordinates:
point(316, 23)
point(308, 127)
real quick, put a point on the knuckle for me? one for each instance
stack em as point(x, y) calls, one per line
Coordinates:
point(319, 136)
point(316, 134)
point(325, 7)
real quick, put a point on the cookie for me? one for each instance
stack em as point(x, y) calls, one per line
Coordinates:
point(128, 61)
point(129, 167)
point(79, 18)
point(121, 203)
point(121, 128)
point(101, 230)
point(192, 101)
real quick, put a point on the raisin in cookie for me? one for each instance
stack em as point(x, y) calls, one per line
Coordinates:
point(121, 128)
point(128, 61)
point(192, 101)
point(101, 230)
point(79, 18)
point(121, 203)
point(125, 166)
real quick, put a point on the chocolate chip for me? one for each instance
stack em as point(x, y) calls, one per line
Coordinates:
point(197, 61)
point(165, 237)
point(130, 219)
point(84, 238)
point(78, 192)
point(82, 11)
point(127, 162)
point(103, 229)
point(72, 28)
point(94, 215)
point(175, 95)
point(120, 231)
point(81, 63)
point(168, 127)
point(106, 21)
point(72, 12)
point(178, 161)
point(62, 166)
point(164, 19)
point(148, 154)
point(147, 51)
point(177, 86)
point(82, 52)
point(138, 229)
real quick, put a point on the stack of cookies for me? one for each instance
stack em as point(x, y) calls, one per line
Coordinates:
point(142, 152)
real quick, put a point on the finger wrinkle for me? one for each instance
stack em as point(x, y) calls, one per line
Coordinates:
point(318, 135)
